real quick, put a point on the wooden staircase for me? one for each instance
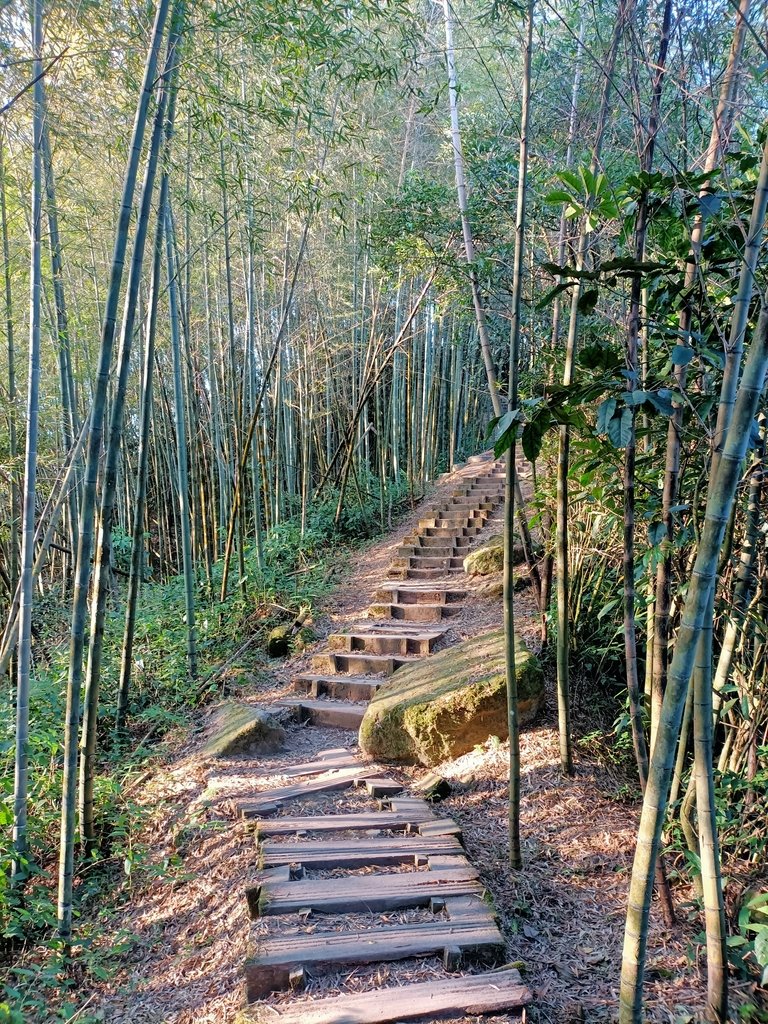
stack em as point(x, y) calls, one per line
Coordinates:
point(411, 857)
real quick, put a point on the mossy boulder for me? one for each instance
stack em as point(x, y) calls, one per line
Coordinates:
point(279, 641)
point(442, 706)
point(242, 729)
point(486, 560)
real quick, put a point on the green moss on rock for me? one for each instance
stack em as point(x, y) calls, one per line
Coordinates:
point(240, 729)
point(444, 705)
point(489, 559)
point(279, 641)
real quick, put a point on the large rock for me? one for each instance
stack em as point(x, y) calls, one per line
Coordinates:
point(279, 641)
point(242, 729)
point(490, 557)
point(444, 705)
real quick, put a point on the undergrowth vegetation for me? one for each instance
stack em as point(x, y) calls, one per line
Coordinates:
point(299, 568)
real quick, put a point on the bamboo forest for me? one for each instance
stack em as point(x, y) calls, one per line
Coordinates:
point(383, 511)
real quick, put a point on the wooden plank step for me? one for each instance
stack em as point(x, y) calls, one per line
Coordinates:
point(351, 853)
point(330, 713)
point(362, 894)
point(411, 804)
point(373, 641)
point(323, 952)
point(344, 778)
point(392, 593)
point(361, 688)
point(382, 787)
point(341, 759)
point(468, 996)
point(364, 821)
point(359, 663)
point(439, 827)
point(424, 612)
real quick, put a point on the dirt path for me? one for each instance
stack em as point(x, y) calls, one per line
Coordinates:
point(562, 915)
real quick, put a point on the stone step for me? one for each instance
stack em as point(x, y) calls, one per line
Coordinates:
point(359, 663)
point(328, 713)
point(337, 687)
point(419, 595)
point(384, 643)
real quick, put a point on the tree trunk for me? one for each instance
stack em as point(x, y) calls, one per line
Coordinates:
point(88, 504)
point(20, 866)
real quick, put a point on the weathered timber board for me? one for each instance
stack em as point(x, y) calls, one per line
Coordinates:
point(444, 999)
point(362, 894)
point(407, 804)
point(439, 827)
point(345, 853)
point(381, 787)
point(339, 760)
point(342, 779)
point(345, 822)
point(324, 952)
point(469, 908)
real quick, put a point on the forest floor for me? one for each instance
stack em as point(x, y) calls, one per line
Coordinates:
point(186, 925)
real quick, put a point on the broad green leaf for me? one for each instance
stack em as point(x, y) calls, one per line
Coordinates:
point(605, 412)
point(533, 435)
point(588, 300)
point(620, 428)
point(682, 355)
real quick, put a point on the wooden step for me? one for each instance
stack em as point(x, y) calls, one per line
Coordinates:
point(359, 663)
point(428, 562)
point(467, 531)
point(353, 688)
point(352, 853)
point(468, 996)
point(424, 574)
point(435, 551)
point(327, 761)
point(324, 952)
point(365, 821)
point(415, 612)
point(380, 641)
point(390, 593)
point(473, 503)
point(344, 778)
point(381, 787)
point(427, 544)
point(329, 713)
point(360, 894)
